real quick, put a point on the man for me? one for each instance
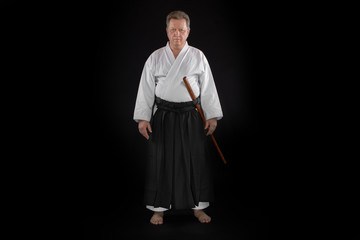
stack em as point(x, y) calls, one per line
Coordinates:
point(178, 168)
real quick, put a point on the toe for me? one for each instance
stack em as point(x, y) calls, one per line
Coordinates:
point(154, 221)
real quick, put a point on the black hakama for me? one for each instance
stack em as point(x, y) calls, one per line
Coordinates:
point(178, 169)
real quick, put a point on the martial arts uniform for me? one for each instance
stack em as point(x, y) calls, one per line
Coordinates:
point(178, 172)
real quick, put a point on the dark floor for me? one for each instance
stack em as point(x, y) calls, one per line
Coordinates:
point(240, 224)
point(244, 221)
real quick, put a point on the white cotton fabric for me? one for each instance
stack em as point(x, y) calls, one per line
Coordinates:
point(202, 205)
point(163, 76)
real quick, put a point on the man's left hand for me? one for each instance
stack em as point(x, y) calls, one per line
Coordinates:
point(210, 125)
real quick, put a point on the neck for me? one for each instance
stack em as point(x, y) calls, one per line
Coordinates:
point(176, 49)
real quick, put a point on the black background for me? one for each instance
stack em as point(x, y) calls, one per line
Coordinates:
point(241, 47)
point(81, 64)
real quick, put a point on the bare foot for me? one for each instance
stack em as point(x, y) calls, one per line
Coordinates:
point(157, 218)
point(202, 216)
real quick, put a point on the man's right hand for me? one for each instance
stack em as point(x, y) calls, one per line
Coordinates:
point(144, 127)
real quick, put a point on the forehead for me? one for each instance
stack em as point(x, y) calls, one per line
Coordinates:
point(177, 23)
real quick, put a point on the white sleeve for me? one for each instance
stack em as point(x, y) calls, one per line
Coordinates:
point(146, 93)
point(210, 102)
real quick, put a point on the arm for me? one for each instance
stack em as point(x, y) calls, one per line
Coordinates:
point(209, 121)
point(209, 97)
point(145, 100)
point(146, 93)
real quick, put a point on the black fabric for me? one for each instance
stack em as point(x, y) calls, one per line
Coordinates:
point(178, 169)
point(176, 107)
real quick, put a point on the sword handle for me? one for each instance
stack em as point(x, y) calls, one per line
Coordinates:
point(193, 97)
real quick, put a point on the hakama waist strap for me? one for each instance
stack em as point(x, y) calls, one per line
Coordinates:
point(176, 106)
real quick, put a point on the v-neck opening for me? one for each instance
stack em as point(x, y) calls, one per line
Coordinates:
point(171, 54)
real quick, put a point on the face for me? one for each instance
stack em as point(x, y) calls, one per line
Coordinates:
point(177, 32)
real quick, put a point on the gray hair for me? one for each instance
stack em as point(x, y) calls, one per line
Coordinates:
point(178, 15)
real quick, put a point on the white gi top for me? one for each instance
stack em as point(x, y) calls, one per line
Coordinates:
point(163, 76)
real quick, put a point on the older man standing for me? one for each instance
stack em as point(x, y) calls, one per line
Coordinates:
point(178, 168)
